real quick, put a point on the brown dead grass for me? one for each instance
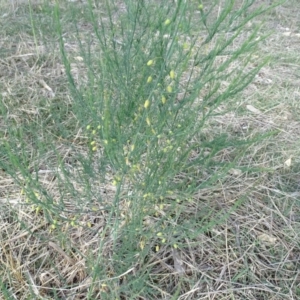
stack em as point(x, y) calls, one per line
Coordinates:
point(253, 254)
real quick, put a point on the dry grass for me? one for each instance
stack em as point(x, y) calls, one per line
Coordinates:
point(254, 253)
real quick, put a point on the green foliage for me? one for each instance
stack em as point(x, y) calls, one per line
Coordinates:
point(156, 75)
point(161, 73)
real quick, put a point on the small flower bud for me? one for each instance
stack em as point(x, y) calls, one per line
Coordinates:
point(150, 63)
point(147, 104)
point(172, 74)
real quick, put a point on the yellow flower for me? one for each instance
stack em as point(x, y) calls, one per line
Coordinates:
point(150, 63)
point(93, 143)
point(148, 121)
point(142, 244)
point(147, 103)
point(167, 22)
point(53, 225)
point(185, 46)
point(149, 79)
point(88, 127)
point(163, 99)
point(169, 89)
point(94, 148)
point(172, 74)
